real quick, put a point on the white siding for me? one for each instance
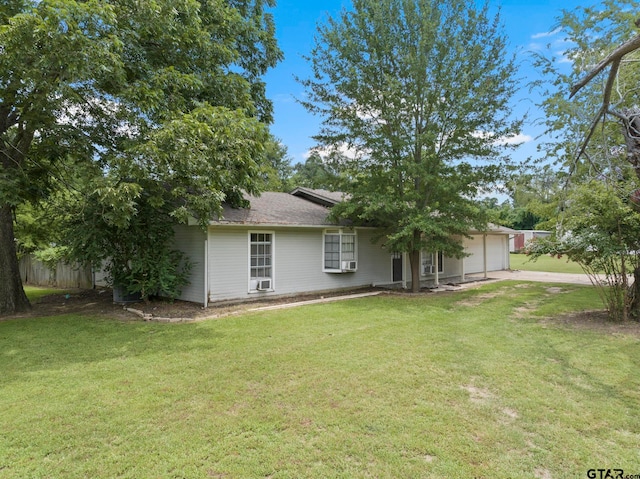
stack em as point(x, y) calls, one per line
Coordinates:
point(497, 248)
point(452, 268)
point(191, 240)
point(228, 263)
point(297, 263)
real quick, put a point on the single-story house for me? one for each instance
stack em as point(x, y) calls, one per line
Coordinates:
point(283, 244)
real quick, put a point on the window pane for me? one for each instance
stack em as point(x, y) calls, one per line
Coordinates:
point(348, 247)
point(260, 255)
point(332, 251)
point(339, 248)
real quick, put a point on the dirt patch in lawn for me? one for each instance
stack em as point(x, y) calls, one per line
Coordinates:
point(595, 321)
point(478, 395)
point(481, 298)
point(99, 302)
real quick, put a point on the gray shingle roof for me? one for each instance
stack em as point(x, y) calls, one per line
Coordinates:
point(322, 197)
point(299, 208)
point(273, 208)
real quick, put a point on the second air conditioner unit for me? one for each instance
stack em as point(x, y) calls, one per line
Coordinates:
point(349, 265)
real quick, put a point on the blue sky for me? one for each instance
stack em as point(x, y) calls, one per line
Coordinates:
point(528, 25)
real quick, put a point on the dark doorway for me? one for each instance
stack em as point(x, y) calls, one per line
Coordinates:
point(397, 267)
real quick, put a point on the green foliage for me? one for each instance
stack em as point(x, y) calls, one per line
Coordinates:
point(603, 236)
point(52, 255)
point(276, 169)
point(592, 32)
point(35, 228)
point(534, 193)
point(414, 91)
point(117, 101)
point(201, 159)
point(595, 143)
point(128, 233)
point(163, 273)
point(505, 214)
point(317, 173)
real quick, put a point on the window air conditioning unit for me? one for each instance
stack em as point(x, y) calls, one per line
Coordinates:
point(349, 265)
point(264, 284)
point(428, 269)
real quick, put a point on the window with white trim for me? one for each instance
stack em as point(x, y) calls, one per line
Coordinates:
point(429, 263)
point(260, 261)
point(339, 251)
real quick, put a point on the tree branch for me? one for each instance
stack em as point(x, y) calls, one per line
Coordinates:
point(616, 55)
point(592, 129)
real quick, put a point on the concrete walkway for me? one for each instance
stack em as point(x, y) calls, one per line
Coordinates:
point(328, 299)
point(536, 276)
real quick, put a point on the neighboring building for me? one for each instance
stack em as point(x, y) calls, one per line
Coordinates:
point(283, 244)
point(519, 239)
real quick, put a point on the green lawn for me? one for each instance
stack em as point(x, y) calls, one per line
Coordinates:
point(36, 292)
point(546, 263)
point(478, 383)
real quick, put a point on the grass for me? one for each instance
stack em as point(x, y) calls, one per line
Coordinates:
point(475, 383)
point(546, 263)
point(36, 292)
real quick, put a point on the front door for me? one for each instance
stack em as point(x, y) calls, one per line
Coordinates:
point(396, 268)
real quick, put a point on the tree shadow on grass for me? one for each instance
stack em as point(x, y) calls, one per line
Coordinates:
point(55, 342)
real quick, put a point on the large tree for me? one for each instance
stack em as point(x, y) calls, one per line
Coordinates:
point(141, 101)
point(593, 111)
point(418, 91)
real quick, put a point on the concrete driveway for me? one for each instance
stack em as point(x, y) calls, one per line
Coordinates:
point(536, 276)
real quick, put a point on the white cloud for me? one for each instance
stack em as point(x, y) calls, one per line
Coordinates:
point(515, 139)
point(505, 140)
point(535, 36)
point(284, 98)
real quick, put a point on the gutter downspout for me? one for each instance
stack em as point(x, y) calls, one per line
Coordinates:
point(404, 271)
point(507, 256)
point(484, 253)
point(437, 277)
point(206, 272)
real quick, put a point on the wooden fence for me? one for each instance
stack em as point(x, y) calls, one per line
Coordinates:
point(65, 275)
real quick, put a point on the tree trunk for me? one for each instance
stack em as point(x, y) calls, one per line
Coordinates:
point(414, 262)
point(631, 131)
point(12, 297)
point(634, 293)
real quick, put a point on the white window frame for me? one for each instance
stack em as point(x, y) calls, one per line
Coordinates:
point(424, 255)
point(342, 255)
point(253, 281)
